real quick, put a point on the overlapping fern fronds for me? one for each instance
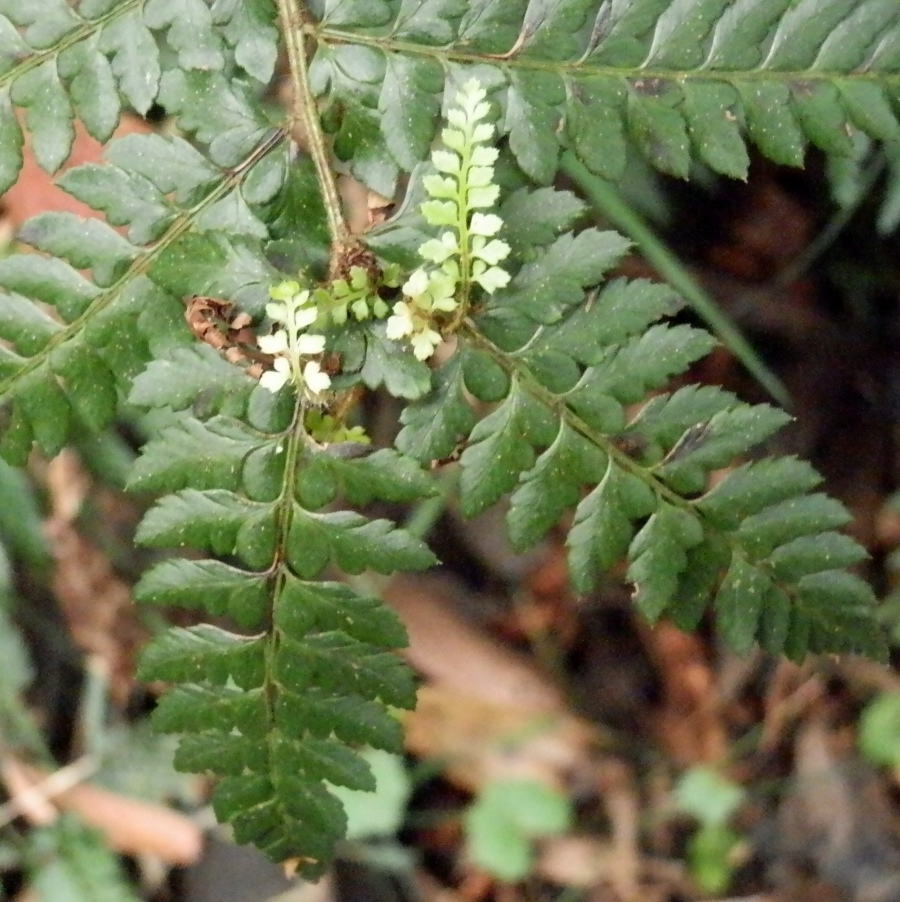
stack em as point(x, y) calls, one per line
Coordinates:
point(572, 366)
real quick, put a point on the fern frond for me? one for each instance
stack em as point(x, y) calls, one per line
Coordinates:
point(58, 61)
point(682, 82)
point(189, 230)
point(273, 714)
point(571, 374)
point(758, 549)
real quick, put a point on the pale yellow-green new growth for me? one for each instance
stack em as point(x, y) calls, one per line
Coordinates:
point(291, 345)
point(467, 252)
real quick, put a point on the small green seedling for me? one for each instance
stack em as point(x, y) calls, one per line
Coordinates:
point(879, 730)
point(711, 799)
point(504, 820)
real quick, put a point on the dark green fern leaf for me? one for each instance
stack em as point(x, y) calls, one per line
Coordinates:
point(104, 329)
point(432, 428)
point(555, 391)
point(57, 63)
point(274, 715)
point(679, 82)
point(746, 549)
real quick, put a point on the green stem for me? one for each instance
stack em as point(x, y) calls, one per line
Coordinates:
point(579, 68)
point(603, 195)
point(465, 257)
point(295, 438)
point(304, 112)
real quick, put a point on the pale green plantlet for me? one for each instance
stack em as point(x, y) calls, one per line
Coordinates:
point(438, 186)
point(506, 817)
point(437, 250)
point(491, 252)
point(444, 161)
point(284, 291)
point(712, 799)
point(464, 255)
point(298, 309)
point(480, 176)
point(292, 347)
point(486, 224)
point(484, 156)
point(412, 321)
point(485, 196)
point(489, 278)
point(438, 213)
point(325, 429)
point(433, 290)
point(360, 309)
point(357, 296)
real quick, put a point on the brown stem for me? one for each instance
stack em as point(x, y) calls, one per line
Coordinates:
point(304, 112)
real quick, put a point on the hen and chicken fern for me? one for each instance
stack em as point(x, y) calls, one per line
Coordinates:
point(485, 259)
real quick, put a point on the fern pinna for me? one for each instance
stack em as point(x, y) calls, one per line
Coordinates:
point(484, 259)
